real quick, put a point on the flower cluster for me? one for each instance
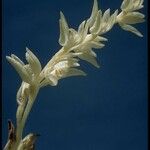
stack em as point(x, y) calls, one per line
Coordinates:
point(129, 15)
point(76, 45)
point(29, 74)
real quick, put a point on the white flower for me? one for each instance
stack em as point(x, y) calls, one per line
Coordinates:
point(29, 74)
point(85, 48)
point(87, 36)
point(64, 67)
point(129, 15)
point(131, 5)
point(34, 63)
point(64, 30)
point(101, 23)
point(70, 37)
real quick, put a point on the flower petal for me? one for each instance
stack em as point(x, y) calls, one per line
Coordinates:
point(131, 29)
point(64, 30)
point(74, 72)
point(91, 20)
point(20, 69)
point(100, 38)
point(94, 29)
point(133, 18)
point(52, 80)
point(96, 45)
point(71, 62)
point(125, 4)
point(89, 58)
point(33, 62)
point(107, 21)
point(81, 28)
point(131, 5)
point(17, 59)
point(106, 15)
point(112, 20)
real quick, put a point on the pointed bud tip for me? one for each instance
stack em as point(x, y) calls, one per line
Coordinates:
point(27, 49)
point(95, 3)
point(8, 58)
point(141, 35)
point(61, 14)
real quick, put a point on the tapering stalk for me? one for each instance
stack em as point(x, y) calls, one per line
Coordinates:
point(21, 122)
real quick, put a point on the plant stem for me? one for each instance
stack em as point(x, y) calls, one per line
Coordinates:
point(22, 122)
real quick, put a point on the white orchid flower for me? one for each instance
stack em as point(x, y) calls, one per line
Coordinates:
point(64, 67)
point(131, 5)
point(129, 15)
point(76, 45)
point(103, 22)
point(28, 72)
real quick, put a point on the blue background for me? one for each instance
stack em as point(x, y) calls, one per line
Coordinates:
point(106, 110)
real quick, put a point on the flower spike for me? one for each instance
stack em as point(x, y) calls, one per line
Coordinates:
point(129, 15)
point(76, 45)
